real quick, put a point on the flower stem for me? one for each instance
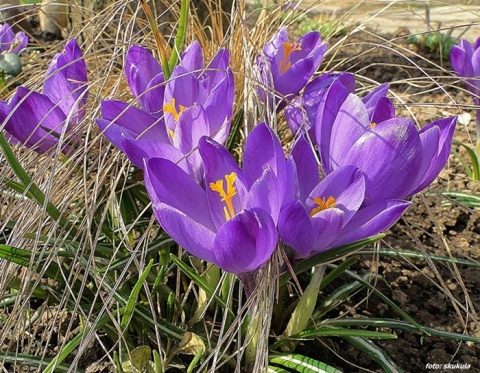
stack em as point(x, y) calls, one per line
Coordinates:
point(180, 38)
point(159, 40)
point(31, 189)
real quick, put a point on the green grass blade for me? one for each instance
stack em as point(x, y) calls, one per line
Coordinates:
point(24, 258)
point(301, 363)
point(375, 353)
point(474, 159)
point(398, 324)
point(31, 361)
point(466, 199)
point(180, 37)
point(333, 332)
point(272, 369)
point(418, 255)
point(387, 300)
point(132, 299)
point(329, 256)
point(32, 188)
point(200, 281)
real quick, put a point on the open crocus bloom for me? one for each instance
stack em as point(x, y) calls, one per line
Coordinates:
point(397, 159)
point(196, 101)
point(38, 120)
point(10, 42)
point(330, 212)
point(229, 218)
point(286, 67)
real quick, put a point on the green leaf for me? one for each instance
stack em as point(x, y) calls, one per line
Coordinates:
point(375, 353)
point(302, 363)
point(139, 359)
point(328, 256)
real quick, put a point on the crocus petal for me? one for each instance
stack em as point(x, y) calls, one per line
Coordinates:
point(457, 59)
point(6, 37)
point(379, 107)
point(295, 229)
point(264, 194)
point(327, 112)
point(182, 90)
point(371, 220)
point(351, 122)
point(302, 112)
point(219, 104)
point(192, 58)
point(180, 206)
point(214, 73)
point(262, 150)
point(21, 40)
point(66, 82)
point(33, 118)
point(140, 68)
point(246, 242)
point(389, 155)
point(192, 125)
point(295, 78)
point(119, 117)
point(346, 185)
point(152, 99)
point(436, 141)
point(326, 226)
point(139, 150)
point(306, 166)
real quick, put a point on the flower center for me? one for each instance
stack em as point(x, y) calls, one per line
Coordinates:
point(288, 49)
point(373, 125)
point(170, 108)
point(322, 204)
point(227, 196)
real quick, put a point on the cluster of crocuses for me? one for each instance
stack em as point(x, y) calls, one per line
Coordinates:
point(346, 177)
point(236, 216)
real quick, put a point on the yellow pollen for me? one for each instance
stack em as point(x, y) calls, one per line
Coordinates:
point(170, 108)
point(288, 49)
point(228, 195)
point(323, 204)
point(373, 125)
point(171, 133)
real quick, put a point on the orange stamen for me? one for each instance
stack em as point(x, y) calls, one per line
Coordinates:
point(323, 204)
point(288, 49)
point(228, 195)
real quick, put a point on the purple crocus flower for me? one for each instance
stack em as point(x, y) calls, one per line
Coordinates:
point(37, 120)
point(228, 219)
point(286, 67)
point(196, 101)
point(397, 159)
point(465, 59)
point(330, 212)
point(10, 42)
